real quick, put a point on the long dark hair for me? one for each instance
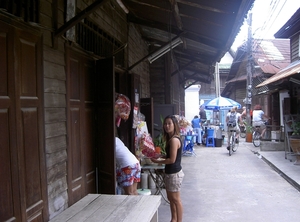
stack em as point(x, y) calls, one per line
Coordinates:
point(176, 127)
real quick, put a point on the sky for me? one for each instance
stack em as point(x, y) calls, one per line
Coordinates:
point(268, 16)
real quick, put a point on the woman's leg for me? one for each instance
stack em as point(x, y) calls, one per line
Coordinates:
point(130, 190)
point(263, 129)
point(135, 188)
point(175, 206)
point(199, 136)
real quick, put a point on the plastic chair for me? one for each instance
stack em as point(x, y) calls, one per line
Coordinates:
point(188, 145)
point(210, 140)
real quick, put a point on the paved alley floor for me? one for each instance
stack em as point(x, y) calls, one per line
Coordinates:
point(242, 187)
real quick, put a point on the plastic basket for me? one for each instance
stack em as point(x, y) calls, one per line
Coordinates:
point(210, 132)
point(188, 137)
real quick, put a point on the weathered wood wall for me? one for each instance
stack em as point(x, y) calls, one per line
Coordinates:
point(111, 18)
point(55, 108)
point(138, 49)
point(165, 88)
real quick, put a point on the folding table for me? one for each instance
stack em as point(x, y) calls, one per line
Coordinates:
point(157, 174)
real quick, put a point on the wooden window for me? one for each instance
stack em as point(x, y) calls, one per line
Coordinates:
point(26, 9)
point(93, 39)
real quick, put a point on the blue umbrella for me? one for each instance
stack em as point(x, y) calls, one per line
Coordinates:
point(221, 103)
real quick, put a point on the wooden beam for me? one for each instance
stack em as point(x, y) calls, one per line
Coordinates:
point(145, 57)
point(201, 6)
point(214, 43)
point(81, 15)
point(175, 11)
point(55, 22)
point(192, 56)
point(153, 24)
point(181, 68)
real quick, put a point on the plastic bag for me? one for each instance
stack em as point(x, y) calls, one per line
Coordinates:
point(122, 108)
point(147, 146)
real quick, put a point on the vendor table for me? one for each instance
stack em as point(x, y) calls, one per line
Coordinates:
point(157, 174)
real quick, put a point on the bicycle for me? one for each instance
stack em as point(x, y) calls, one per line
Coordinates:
point(233, 146)
point(242, 131)
point(256, 136)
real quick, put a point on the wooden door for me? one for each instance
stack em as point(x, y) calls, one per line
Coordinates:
point(80, 126)
point(129, 85)
point(161, 111)
point(23, 191)
point(105, 120)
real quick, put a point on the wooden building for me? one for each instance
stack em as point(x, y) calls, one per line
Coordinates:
point(288, 79)
point(62, 63)
point(268, 57)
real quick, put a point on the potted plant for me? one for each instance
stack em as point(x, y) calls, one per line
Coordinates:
point(159, 143)
point(248, 129)
point(295, 140)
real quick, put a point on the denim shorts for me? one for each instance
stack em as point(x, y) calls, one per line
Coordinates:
point(173, 181)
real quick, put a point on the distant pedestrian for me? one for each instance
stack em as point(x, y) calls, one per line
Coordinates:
point(197, 129)
point(244, 113)
point(202, 115)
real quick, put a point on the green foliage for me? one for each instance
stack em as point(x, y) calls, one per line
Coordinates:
point(248, 127)
point(296, 128)
point(158, 141)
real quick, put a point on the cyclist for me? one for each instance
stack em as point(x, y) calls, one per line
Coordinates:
point(202, 115)
point(258, 117)
point(232, 119)
point(244, 114)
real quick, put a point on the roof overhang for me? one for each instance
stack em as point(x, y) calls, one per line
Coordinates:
point(290, 70)
point(207, 29)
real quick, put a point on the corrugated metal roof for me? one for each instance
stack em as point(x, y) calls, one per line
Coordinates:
point(290, 70)
point(272, 55)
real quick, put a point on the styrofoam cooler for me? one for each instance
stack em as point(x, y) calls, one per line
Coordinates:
point(144, 180)
point(151, 183)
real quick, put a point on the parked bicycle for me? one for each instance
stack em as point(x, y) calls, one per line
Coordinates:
point(233, 146)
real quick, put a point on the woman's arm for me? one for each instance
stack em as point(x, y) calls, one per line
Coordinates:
point(174, 146)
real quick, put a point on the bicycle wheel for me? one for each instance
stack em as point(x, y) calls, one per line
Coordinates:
point(232, 143)
point(243, 132)
point(256, 138)
point(235, 147)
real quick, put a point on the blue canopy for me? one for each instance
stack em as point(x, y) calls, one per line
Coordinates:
point(221, 103)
